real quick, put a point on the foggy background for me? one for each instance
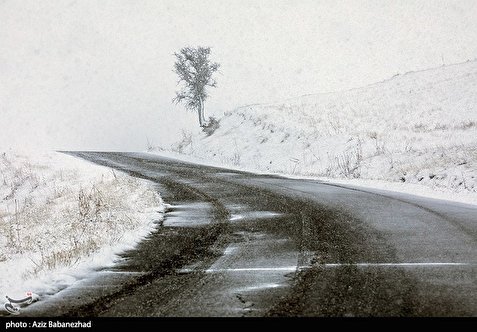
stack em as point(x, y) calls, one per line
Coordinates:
point(98, 74)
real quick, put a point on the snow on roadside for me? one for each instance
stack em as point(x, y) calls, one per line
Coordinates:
point(416, 132)
point(61, 218)
point(363, 184)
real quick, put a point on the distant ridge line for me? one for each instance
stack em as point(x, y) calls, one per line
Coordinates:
point(388, 79)
point(360, 87)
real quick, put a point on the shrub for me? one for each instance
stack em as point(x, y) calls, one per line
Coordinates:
point(212, 125)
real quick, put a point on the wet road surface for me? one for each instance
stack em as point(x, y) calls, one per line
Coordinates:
point(240, 244)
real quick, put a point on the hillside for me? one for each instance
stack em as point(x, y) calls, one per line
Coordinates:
point(420, 127)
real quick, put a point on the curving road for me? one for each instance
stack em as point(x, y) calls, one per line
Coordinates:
point(241, 244)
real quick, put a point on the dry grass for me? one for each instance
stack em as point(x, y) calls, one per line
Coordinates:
point(55, 222)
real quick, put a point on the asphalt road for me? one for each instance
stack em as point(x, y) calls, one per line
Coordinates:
point(241, 244)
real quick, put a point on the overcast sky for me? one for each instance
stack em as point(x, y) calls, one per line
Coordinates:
point(98, 74)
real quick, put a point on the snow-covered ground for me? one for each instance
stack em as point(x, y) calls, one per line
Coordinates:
point(415, 132)
point(61, 218)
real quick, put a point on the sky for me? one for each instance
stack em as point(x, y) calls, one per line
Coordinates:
point(97, 74)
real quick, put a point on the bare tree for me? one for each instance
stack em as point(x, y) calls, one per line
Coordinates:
point(195, 72)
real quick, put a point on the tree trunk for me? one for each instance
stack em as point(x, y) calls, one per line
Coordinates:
point(201, 122)
point(201, 113)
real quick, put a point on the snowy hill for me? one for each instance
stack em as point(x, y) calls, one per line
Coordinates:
point(420, 127)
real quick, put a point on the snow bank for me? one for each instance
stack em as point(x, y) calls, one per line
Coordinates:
point(419, 128)
point(61, 218)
